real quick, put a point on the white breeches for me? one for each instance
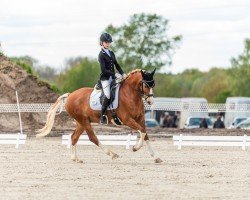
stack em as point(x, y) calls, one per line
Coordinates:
point(106, 87)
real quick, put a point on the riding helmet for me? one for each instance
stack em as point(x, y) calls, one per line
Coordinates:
point(105, 37)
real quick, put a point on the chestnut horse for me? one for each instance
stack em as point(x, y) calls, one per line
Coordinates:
point(137, 85)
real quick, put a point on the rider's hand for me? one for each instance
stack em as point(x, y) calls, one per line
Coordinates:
point(124, 76)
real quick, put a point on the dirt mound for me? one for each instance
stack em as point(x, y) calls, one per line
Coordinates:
point(30, 90)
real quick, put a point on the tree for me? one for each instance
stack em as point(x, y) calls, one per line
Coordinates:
point(46, 73)
point(143, 42)
point(241, 72)
point(28, 60)
point(1, 51)
point(84, 74)
point(179, 85)
point(214, 85)
point(32, 66)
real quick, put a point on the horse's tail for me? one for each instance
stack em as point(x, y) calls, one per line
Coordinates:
point(51, 116)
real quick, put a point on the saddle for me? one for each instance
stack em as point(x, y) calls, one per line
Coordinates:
point(97, 97)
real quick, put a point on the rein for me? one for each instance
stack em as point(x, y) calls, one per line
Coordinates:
point(142, 93)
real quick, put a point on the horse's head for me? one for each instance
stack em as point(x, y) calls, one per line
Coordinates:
point(147, 85)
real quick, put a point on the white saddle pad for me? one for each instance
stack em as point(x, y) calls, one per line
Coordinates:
point(95, 99)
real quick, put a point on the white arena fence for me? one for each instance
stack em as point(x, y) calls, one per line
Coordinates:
point(169, 106)
point(16, 139)
point(117, 140)
point(226, 141)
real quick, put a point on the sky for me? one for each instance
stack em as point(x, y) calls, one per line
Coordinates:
point(52, 30)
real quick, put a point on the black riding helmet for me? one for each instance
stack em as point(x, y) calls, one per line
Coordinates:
point(105, 37)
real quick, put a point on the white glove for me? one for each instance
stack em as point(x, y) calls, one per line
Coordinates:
point(118, 78)
point(124, 76)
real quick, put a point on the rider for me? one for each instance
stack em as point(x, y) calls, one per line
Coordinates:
point(107, 61)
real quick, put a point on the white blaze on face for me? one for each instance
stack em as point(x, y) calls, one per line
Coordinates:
point(150, 100)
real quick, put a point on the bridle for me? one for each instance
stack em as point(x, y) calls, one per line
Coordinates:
point(147, 83)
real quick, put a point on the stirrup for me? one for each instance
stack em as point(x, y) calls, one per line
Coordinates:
point(104, 119)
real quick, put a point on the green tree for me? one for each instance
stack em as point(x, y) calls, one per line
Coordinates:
point(46, 73)
point(214, 85)
point(32, 66)
point(84, 74)
point(241, 72)
point(1, 51)
point(26, 62)
point(143, 42)
point(179, 85)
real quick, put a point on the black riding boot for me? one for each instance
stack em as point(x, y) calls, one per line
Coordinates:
point(104, 119)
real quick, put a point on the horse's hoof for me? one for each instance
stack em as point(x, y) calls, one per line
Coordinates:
point(79, 161)
point(158, 160)
point(134, 149)
point(115, 156)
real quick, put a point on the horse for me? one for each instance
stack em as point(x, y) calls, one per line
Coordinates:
point(138, 85)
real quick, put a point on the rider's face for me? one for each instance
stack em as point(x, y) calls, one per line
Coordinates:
point(106, 45)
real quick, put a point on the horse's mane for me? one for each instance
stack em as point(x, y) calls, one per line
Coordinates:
point(134, 71)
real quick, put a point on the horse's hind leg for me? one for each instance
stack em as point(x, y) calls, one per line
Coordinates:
point(94, 139)
point(74, 138)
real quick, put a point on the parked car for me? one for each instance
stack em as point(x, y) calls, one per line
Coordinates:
point(151, 123)
point(236, 121)
point(244, 124)
point(194, 122)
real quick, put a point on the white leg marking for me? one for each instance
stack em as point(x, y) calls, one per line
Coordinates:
point(140, 142)
point(152, 153)
point(73, 152)
point(73, 155)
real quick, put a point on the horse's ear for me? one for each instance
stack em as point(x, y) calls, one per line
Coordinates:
point(142, 73)
point(153, 72)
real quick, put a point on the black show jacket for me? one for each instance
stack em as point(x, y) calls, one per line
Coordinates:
point(107, 64)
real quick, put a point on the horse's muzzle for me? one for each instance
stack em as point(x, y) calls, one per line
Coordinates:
point(150, 101)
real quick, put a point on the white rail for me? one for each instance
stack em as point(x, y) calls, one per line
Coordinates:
point(169, 106)
point(217, 141)
point(117, 140)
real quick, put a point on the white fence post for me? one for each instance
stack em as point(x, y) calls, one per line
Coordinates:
point(128, 141)
point(69, 142)
point(180, 141)
point(244, 142)
point(20, 121)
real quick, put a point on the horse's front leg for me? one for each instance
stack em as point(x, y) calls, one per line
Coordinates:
point(143, 136)
point(136, 126)
point(151, 151)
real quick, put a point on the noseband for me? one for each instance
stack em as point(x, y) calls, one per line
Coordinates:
point(147, 83)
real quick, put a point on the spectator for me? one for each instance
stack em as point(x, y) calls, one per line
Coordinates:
point(176, 119)
point(171, 122)
point(168, 122)
point(219, 123)
point(203, 123)
point(162, 117)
